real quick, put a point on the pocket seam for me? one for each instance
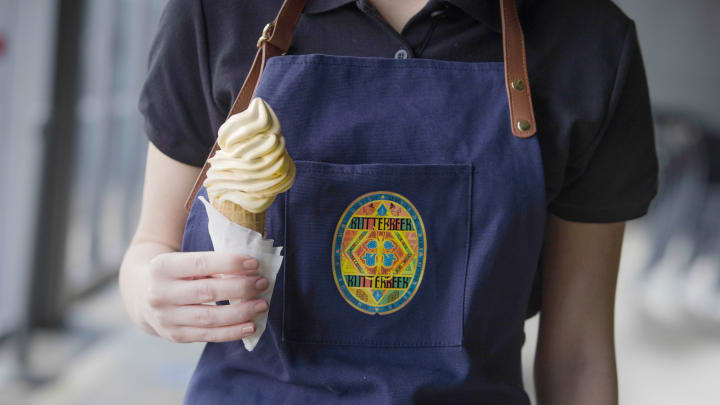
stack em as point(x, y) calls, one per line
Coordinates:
point(468, 243)
point(316, 166)
point(369, 344)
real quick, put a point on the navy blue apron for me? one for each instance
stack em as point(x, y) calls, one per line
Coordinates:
point(412, 235)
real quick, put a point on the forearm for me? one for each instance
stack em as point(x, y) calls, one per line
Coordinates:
point(575, 357)
point(133, 276)
point(576, 376)
point(160, 228)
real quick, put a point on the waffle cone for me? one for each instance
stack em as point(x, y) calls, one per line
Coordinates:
point(238, 215)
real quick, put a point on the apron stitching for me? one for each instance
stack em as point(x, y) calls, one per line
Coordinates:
point(284, 262)
point(391, 63)
point(428, 173)
point(467, 255)
point(371, 344)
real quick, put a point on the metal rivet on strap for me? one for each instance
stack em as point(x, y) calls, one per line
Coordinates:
point(524, 125)
point(266, 32)
point(518, 85)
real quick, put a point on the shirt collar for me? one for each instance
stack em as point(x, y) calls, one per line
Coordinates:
point(485, 11)
point(488, 11)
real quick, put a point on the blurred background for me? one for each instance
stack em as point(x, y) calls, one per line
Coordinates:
point(73, 155)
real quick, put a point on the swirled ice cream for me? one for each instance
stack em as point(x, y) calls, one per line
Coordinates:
point(252, 165)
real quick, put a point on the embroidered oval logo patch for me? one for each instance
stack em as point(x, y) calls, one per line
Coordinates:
point(379, 249)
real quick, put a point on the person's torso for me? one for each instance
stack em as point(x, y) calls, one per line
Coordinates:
point(413, 231)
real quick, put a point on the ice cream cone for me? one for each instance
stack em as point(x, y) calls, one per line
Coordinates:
point(238, 215)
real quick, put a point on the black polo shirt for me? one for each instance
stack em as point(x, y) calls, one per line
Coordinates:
point(588, 81)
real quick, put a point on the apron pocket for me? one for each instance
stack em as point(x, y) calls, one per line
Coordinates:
point(376, 254)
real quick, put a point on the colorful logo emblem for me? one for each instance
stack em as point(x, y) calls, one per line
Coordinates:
point(379, 250)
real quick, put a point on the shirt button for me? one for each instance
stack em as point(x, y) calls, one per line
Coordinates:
point(401, 54)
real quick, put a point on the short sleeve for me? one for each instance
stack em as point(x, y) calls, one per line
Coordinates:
point(615, 177)
point(176, 98)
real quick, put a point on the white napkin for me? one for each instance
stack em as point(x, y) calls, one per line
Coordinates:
point(230, 237)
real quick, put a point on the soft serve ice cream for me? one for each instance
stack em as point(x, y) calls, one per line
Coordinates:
point(252, 165)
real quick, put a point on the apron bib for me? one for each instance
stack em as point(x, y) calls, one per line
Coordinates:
point(412, 236)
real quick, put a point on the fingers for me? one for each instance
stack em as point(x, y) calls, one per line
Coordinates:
point(179, 283)
point(198, 264)
point(184, 292)
point(214, 316)
point(188, 334)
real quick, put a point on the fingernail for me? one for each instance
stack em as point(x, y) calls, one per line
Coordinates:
point(250, 264)
point(261, 306)
point(262, 284)
point(248, 329)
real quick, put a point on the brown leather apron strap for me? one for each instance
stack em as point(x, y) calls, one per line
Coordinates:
point(277, 37)
point(275, 40)
point(517, 83)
